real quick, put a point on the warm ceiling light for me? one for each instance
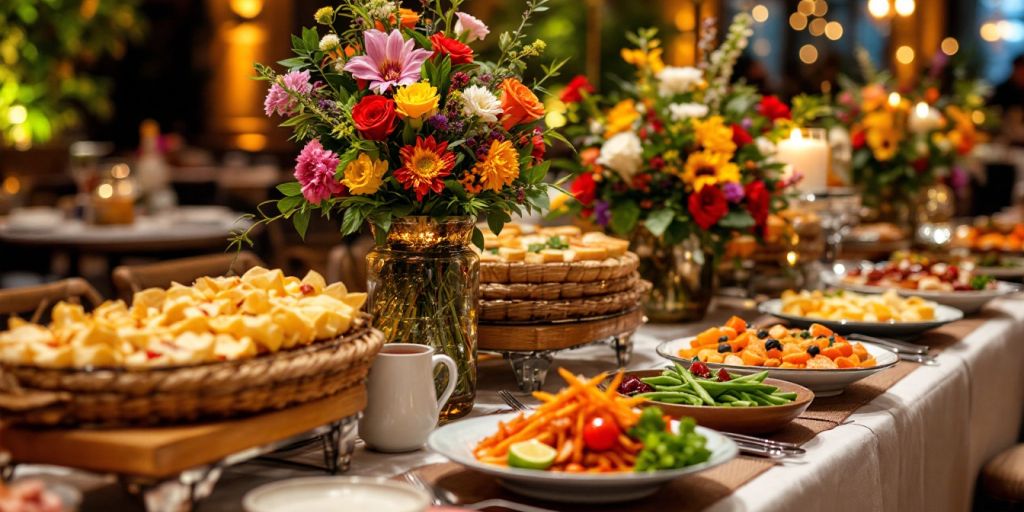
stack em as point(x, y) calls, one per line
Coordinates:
point(950, 46)
point(905, 7)
point(834, 30)
point(989, 32)
point(905, 54)
point(820, 8)
point(247, 9)
point(878, 8)
point(805, 7)
point(817, 26)
point(799, 21)
point(759, 13)
point(808, 54)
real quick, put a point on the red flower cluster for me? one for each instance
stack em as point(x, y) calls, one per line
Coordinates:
point(772, 108)
point(740, 137)
point(458, 51)
point(374, 117)
point(758, 204)
point(584, 189)
point(707, 206)
point(573, 90)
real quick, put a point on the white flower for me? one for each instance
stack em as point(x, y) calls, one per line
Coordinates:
point(766, 147)
point(595, 126)
point(675, 80)
point(380, 9)
point(622, 153)
point(329, 42)
point(478, 101)
point(683, 111)
point(469, 23)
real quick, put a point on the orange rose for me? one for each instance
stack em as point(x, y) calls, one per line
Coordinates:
point(519, 104)
point(409, 19)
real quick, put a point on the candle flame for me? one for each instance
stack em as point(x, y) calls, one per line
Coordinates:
point(795, 134)
point(921, 109)
point(894, 99)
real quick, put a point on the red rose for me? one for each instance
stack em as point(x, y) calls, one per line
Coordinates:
point(758, 203)
point(773, 109)
point(374, 117)
point(584, 189)
point(708, 206)
point(740, 137)
point(457, 50)
point(858, 139)
point(574, 89)
point(539, 147)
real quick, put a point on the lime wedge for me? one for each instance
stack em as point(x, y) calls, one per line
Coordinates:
point(531, 454)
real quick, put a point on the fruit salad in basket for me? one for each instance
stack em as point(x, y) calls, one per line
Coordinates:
point(588, 429)
point(214, 319)
point(816, 348)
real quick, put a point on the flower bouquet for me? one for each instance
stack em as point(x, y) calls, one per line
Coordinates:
point(903, 142)
point(406, 130)
point(678, 160)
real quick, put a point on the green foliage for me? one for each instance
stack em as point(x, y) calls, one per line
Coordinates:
point(47, 51)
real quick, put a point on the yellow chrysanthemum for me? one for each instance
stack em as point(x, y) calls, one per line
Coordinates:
point(713, 135)
point(620, 118)
point(364, 174)
point(709, 168)
point(882, 135)
point(641, 58)
point(416, 100)
point(498, 170)
point(873, 97)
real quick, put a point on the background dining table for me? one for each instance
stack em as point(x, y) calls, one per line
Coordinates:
point(917, 446)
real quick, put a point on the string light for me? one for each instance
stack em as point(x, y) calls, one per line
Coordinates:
point(834, 30)
point(798, 21)
point(878, 8)
point(905, 54)
point(905, 7)
point(989, 32)
point(808, 54)
point(817, 26)
point(805, 7)
point(759, 13)
point(820, 8)
point(950, 46)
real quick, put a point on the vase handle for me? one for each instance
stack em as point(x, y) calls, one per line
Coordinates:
point(453, 377)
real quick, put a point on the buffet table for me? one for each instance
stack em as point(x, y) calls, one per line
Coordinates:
point(918, 446)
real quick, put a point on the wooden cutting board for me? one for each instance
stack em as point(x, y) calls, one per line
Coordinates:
point(160, 452)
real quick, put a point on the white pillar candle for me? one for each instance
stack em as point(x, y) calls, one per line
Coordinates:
point(808, 156)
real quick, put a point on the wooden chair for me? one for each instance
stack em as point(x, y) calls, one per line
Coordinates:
point(347, 263)
point(39, 299)
point(129, 279)
point(1002, 480)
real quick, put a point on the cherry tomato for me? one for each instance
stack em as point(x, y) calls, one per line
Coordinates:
point(600, 434)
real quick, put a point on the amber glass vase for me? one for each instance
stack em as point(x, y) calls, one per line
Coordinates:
point(423, 284)
point(682, 277)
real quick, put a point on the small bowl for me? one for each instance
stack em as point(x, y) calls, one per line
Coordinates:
point(331, 493)
point(741, 420)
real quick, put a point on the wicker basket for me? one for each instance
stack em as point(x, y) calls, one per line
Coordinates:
point(557, 272)
point(117, 396)
point(550, 310)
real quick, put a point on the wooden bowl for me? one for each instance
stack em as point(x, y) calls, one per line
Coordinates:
point(741, 420)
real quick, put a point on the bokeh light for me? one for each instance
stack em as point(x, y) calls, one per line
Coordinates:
point(798, 21)
point(808, 54)
point(759, 13)
point(905, 54)
point(817, 26)
point(950, 46)
point(878, 8)
point(905, 7)
point(834, 30)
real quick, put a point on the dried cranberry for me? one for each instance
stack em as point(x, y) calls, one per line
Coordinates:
point(952, 273)
point(723, 376)
point(631, 385)
point(700, 369)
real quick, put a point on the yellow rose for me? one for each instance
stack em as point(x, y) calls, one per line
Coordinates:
point(416, 100)
point(620, 118)
point(363, 175)
point(714, 135)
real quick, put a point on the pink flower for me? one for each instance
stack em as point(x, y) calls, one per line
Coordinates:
point(469, 23)
point(314, 169)
point(278, 100)
point(390, 60)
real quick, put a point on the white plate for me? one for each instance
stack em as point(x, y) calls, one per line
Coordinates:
point(1014, 271)
point(943, 316)
point(333, 493)
point(456, 441)
point(966, 301)
point(823, 382)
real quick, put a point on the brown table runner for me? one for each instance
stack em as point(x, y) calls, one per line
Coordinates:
point(699, 491)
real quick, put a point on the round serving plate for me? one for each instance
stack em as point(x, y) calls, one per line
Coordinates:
point(742, 420)
point(823, 382)
point(943, 315)
point(457, 439)
point(332, 493)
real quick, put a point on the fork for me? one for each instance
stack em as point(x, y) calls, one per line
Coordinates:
point(440, 496)
point(748, 444)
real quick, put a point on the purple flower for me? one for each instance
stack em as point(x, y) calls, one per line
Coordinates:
point(959, 179)
point(459, 79)
point(390, 60)
point(438, 122)
point(733, 192)
point(278, 100)
point(602, 213)
point(747, 123)
point(314, 169)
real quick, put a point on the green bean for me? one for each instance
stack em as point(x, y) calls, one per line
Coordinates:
point(701, 391)
point(771, 399)
point(661, 380)
point(790, 396)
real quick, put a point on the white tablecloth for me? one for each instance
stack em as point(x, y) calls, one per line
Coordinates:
point(919, 446)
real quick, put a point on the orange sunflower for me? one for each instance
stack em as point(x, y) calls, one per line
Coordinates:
point(424, 166)
point(498, 170)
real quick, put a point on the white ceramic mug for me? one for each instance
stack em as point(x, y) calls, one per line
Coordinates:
point(403, 407)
